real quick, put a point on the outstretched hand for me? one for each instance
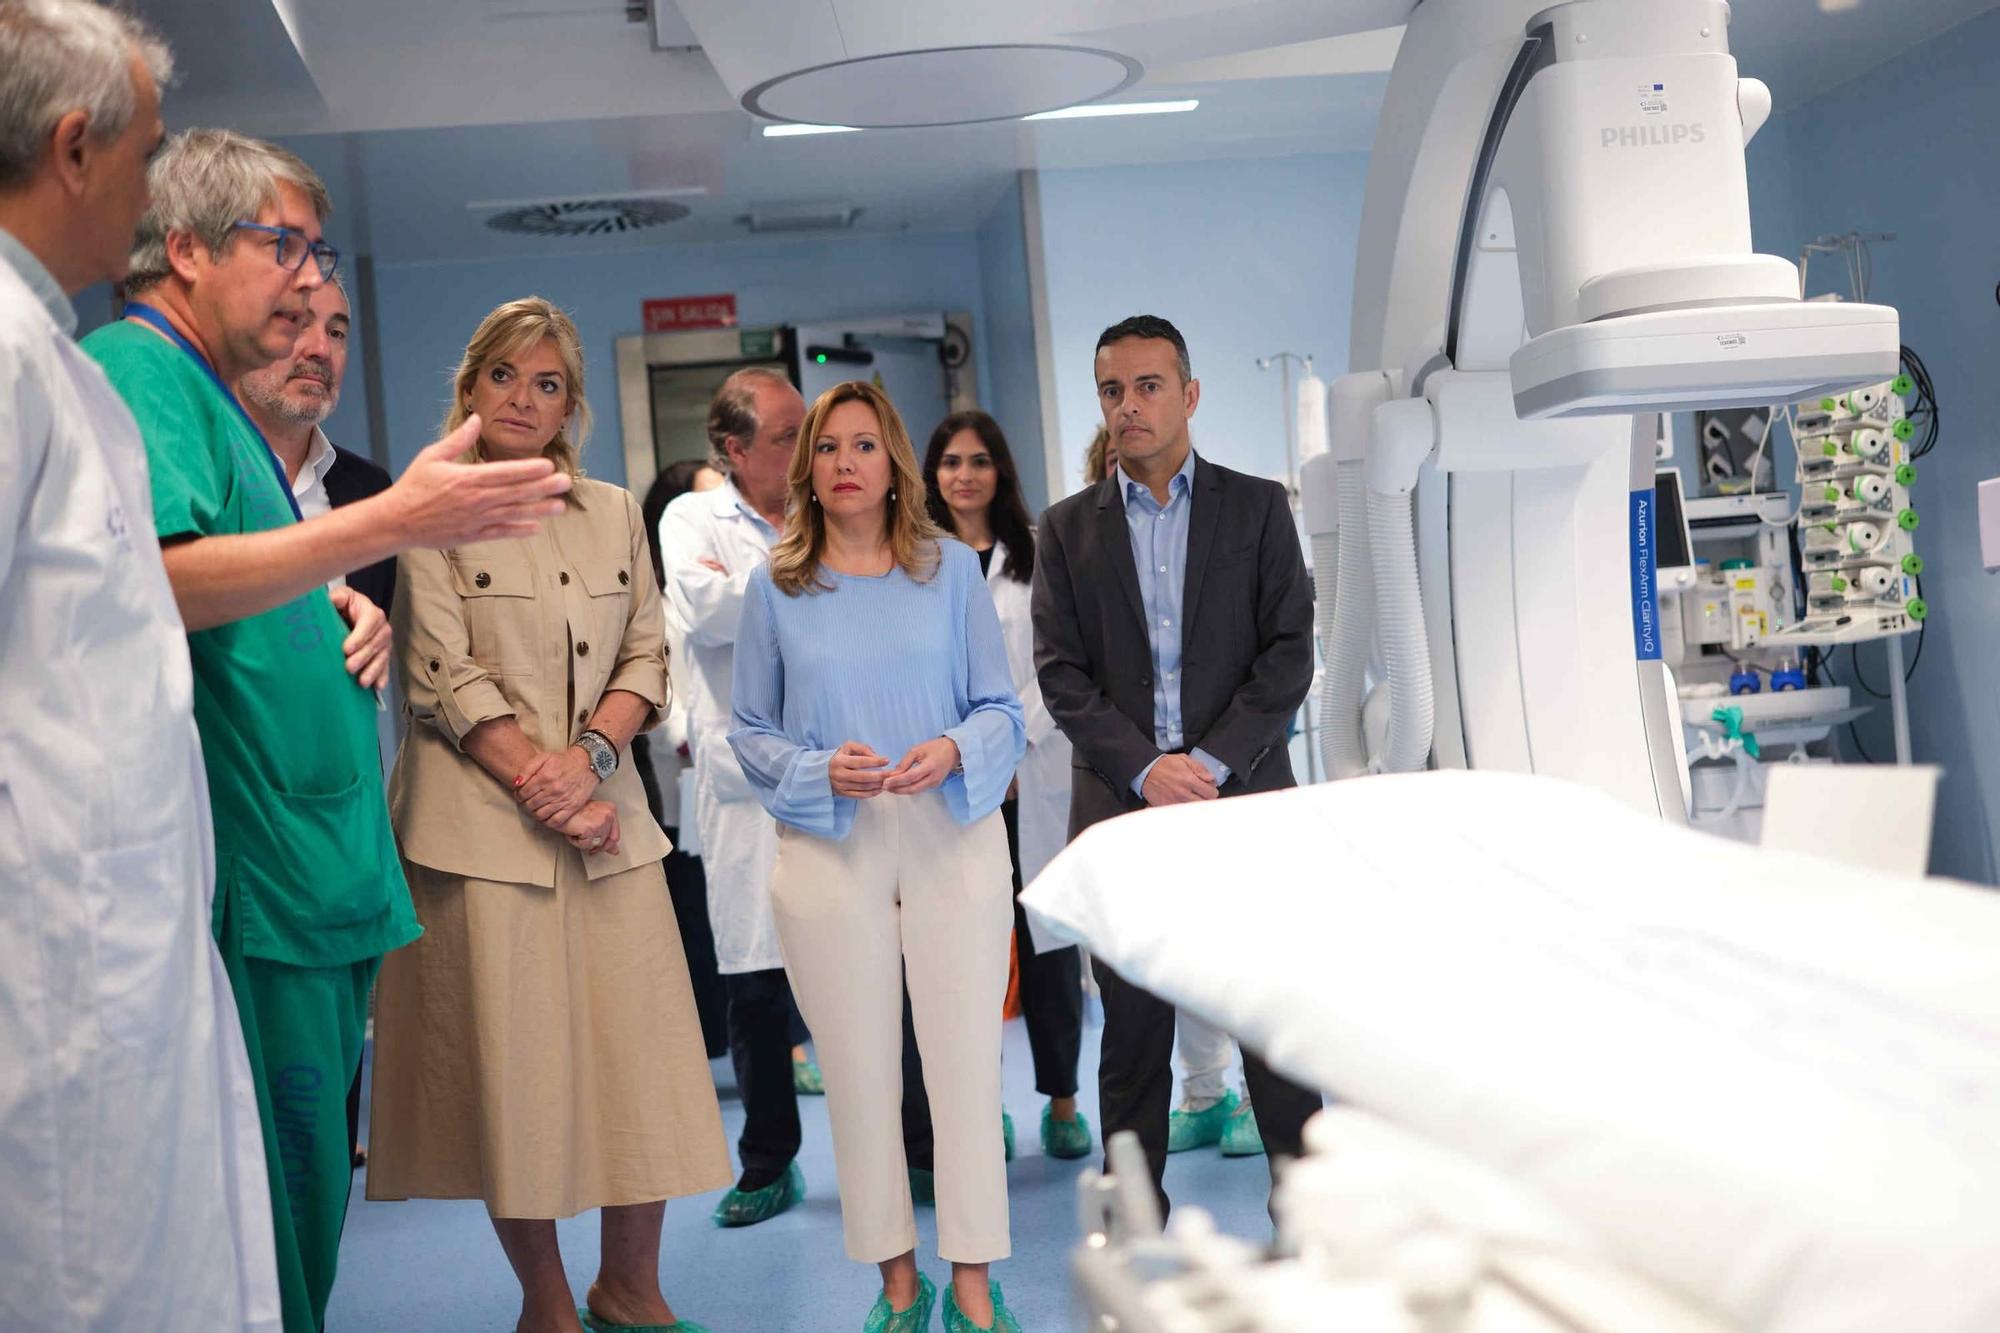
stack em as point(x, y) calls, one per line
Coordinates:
point(441, 502)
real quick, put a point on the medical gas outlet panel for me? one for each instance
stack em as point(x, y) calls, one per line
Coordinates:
point(1857, 524)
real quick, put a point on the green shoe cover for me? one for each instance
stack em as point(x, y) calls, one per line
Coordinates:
point(807, 1081)
point(1065, 1139)
point(882, 1319)
point(1240, 1137)
point(1200, 1129)
point(1003, 1318)
point(592, 1324)
point(740, 1209)
point(1007, 1134)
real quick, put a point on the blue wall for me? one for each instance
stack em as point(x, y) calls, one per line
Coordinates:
point(1911, 148)
point(1246, 258)
point(1012, 394)
point(428, 311)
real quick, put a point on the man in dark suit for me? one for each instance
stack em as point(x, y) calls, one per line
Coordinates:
point(1173, 642)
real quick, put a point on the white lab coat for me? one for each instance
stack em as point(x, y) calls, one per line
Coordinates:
point(737, 836)
point(1044, 771)
point(132, 1185)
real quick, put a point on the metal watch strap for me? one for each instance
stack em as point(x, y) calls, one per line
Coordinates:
point(604, 747)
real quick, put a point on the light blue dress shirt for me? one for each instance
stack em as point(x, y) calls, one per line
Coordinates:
point(1159, 549)
point(886, 661)
point(40, 281)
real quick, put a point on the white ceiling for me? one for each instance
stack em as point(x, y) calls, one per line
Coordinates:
point(412, 110)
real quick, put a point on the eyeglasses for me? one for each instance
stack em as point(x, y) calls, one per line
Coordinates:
point(292, 247)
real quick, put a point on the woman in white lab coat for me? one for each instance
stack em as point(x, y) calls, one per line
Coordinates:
point(975, 494)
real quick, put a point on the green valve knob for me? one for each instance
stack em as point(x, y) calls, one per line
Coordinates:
point(1827, 404)
point(1901, 386)
point(1832, 449)
point(1917, 608)
point(1913, 564)
point(1905, 473)
point(1839, 583)
point(1833, 495)
point(1905, 428)
point(1907, 520)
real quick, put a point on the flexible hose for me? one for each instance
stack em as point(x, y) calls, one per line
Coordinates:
point(1341, 745)
point(1399, 608)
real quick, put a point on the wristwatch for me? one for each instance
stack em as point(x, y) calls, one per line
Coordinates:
point(603, 754)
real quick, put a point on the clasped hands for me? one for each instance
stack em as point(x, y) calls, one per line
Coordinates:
point(858, 773)
point(1176, 779)
point(556, 788)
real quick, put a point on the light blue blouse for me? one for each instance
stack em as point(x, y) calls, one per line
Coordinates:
point(886, 661)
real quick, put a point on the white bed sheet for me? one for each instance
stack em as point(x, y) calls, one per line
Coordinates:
point(1767, 1082)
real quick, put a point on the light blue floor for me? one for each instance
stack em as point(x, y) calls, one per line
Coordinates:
point(436, 1266)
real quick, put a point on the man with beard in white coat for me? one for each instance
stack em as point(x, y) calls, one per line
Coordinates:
point(710, 542)
point(132, 1191)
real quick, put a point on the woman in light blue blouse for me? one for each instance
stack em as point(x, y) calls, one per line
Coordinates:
point(877, 720)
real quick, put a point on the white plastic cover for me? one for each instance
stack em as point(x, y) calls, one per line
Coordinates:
point(1766, 1082)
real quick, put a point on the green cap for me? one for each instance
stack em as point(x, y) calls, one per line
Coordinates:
point(1901, 386)
point(1905, 473)
point(1832, 449)
point(1833, 494)
point(1905, 428)
point(1913, 564)
point(1907, 520)
point(1917, 608)
point(1839, 583)
point(1827, 404)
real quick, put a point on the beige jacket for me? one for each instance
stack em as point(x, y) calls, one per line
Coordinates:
point(536, 630)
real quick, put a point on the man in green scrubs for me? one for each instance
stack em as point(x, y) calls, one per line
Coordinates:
point(309, 895)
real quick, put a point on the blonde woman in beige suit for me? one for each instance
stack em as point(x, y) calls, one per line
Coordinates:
point(538, 1047)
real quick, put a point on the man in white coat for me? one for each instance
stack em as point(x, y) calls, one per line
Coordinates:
point(132, 1191)
point(710, 541)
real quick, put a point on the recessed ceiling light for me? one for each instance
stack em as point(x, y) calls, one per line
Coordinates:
point(793, 131)
point(1093, 109)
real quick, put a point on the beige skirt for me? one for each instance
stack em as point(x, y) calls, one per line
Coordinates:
point(539, 1049)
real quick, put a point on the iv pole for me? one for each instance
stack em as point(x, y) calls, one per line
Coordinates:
point(1284, 362)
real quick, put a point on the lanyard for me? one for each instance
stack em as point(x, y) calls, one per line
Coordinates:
point(148, 315)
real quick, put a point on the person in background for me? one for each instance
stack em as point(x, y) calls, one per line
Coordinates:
point(1173, 642)
point(876, 721)
point(538, 1047)
point(710, 546)
point(132, 1187)
point(973, 492)
point(1210, 1113)
point(662, 761)
point(288, 400)
point(1099, 458)
point(308, 893)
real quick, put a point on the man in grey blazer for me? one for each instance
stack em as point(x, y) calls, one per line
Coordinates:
point(1173, 642)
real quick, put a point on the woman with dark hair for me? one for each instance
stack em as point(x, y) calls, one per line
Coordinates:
point(974, 493)
point(661, 759)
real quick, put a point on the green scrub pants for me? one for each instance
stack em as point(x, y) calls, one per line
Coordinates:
point(303, 1027)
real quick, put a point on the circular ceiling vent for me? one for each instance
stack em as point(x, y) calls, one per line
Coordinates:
point(956, 85)
point(587, 217)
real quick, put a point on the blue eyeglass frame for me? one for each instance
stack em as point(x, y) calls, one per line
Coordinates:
point(320, 252)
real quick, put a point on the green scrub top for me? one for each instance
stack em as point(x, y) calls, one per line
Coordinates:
point(295, 779)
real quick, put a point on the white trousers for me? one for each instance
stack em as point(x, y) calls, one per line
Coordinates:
point(1205, 1052)
point(908, 891)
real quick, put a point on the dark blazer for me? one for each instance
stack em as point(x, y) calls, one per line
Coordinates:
point(352, 478)
point(1246, 637)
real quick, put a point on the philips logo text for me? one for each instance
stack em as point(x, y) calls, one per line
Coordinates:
point(1652, 136)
